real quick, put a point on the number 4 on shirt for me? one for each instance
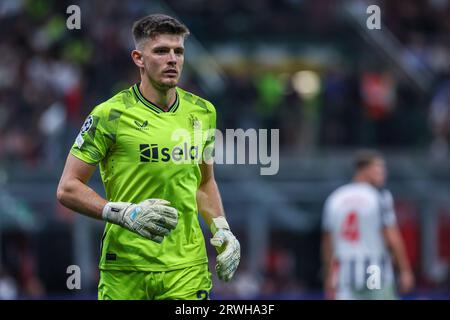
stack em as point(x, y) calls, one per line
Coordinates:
point(350, 230)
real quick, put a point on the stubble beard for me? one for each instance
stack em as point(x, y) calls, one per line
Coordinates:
point(160, 85)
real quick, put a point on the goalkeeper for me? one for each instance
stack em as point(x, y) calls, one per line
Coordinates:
point(156, 181)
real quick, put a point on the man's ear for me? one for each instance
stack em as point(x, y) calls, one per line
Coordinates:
point(138, 60)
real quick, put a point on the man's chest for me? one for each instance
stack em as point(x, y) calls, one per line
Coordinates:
point(163, 138)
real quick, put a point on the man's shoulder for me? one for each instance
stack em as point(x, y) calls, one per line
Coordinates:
point(340, 189)
point(353, 188)
point(195, 100)
point(386, 196)
point(116, 104)
point(385, 192)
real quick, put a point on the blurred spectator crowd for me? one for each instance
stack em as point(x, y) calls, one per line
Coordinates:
point(50, 77)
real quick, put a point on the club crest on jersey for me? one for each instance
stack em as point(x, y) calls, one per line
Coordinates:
point(195, 123)
point(87, 125)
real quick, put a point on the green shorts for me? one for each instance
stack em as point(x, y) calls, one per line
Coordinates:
point(192, 283)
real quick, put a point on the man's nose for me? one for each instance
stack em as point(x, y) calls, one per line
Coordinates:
point(172, 57)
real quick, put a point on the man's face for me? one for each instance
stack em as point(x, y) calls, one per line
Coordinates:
point(376, 172)
point(163, 58)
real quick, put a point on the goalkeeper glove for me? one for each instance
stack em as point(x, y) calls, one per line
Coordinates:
point(151, 218)
point(228, 248)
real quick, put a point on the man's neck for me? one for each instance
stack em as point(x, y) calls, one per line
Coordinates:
point(164, 99)
point(359, 179)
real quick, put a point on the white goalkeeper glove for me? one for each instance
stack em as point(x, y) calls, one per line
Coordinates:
point(228, 248)
point(151, 218)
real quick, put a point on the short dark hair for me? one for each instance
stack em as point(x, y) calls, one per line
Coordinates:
point(364, 158)
point(155, 24)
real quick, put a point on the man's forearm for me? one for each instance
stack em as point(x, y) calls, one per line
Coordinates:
point(327, 254)
point(79, 197)
point(399, 252)
point(397, 248)
point(210, 207)
point(209, 202)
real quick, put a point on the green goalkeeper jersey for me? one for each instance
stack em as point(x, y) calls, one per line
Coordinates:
point(145, 152)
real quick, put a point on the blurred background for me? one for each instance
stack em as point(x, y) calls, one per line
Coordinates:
point(309, 68)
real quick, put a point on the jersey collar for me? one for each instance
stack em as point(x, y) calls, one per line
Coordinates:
point(153, 106)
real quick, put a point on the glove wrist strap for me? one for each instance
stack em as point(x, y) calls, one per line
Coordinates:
point(219, 223)
point(111, 213)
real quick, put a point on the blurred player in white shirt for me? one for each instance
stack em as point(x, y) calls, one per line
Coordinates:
point(360, 236)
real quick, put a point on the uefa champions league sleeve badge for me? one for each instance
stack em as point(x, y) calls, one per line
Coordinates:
point(84, 128)
point(87, 125)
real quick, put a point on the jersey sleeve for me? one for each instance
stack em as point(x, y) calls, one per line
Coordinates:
point(388, 217)
point(95, 138)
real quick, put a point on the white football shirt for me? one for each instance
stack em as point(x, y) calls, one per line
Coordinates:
point(355, 215)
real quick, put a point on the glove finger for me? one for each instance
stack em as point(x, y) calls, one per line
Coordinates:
point(228, 263)
point(156, 229)
point(145, 233)
point(165, 222)
point(226, 274)
point(161, 220)
point(225, 262)
point(228, 260)
point(228, 271)
point(218, 239)
point(216, 242)
point(168, 226)
point(219, 272)
point(228, 253)
point(233, 266)
point(229, 276)
point(228, 267)
point(169, 212)
point(153, 202)
point(164, 211)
